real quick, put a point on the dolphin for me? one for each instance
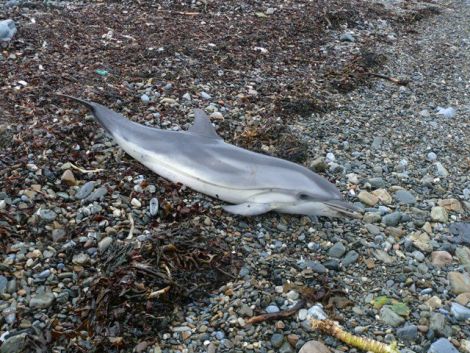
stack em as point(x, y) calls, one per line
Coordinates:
point(252, 183)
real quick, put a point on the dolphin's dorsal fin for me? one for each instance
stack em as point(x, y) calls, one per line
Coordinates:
point(202, 125)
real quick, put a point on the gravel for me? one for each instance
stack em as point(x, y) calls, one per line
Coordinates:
point(81, 221)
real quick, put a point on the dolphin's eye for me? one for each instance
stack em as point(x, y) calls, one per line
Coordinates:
point(304, 197)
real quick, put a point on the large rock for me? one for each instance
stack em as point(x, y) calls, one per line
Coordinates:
point(7, 30)
point(14, 344)
point(459, 282)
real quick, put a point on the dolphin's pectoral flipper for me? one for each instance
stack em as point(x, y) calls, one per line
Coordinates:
point(249, 208)
point(202, 125)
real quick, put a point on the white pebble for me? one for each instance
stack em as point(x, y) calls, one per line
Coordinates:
point(330, 157)
point(432, 156)
point(205, 95)
point(144, 98)
point(136, 203)
point(448, 112)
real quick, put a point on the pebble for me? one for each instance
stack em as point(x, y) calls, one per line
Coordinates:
point(145, 98)
point(431, 156)
point(277, 340)
point(459, 282)
point(448, 112)
point(406, 197)
point(97, 194)
point(383, 196)
point(441, 170)
point(316, 312)
point(68, 178)
point(421, 241)
point(407, 333)
point(368, 198)
point(136, 203)
point(337, 250)
point(438, 326)
point(376, 183)
point(392, 219)
point(15, 344)
point(314, 347)
point(3, 284)
point(439, 214)
point(442, 345)
point(272, 309)
point(81, 259)
point(187, 96)
point(389, 317)
point(153, 206)
point(104, 243)
point(459, 311)
point(47, 215)
point(205, 95)
point(42, 301)
point(350, 258)
point(286, 348)
point(463, 298)
point(85, 190)
point(441, 258)
point(7, 30)
point(346, 37)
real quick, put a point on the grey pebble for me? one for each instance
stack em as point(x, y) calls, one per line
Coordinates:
point(442, 345)
point(346, 37)
point(376, 183)
point(460, 312)
point(153, 206)
point(272, 309)
point(337, 250)
point(315, 266)
point(277, 340)
point(85, 190)
point(42, 301)
point(286, 348)
point(438, 326)
point(3, 284)
point(47, 215)
point(14, 344)
point(104, 243)
point(392, 219)
point(350, 258)
point(407, 333)
point(97, 194)
point(388, 316)
point(406, 197)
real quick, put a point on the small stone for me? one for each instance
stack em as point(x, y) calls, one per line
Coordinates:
point(408, 333)
point(383, 196)
point(438, 325)
point(68, 178)
point(376, 183)
point(317, 312)
point(337, 250)
point(434, 303)
point(272, 309)
point(97, 194)
point(418, 255)
point(104, 243)
point(277, 340)
point(451, 205)
point(465, 346)
point(292, 295)
point(302, 314)
point(187, 96)
point(392, 219)
point(153, 206)
point(286, 348)
point(459, 311)
point(270, 10)
point(314, 347)
point(371, 217)
point(58, 234)
point(346, 37)
point(383, 256)
point(42, 301)
point(388, 316)
point(439, 214)
point(377, 142)
point(405, 197)
point(440, 170)
point(431, 156)
point(463, 298)
point(315, 266)
point(245, 310)
point(136, 203)
point(459, 282)
point(81, 259)
point(442, 345)
point(3, 284)
point(15, 344)
point(46, 215)
point(368, 198)
point(85, 190)
point(350, 258)
point(421, 241)
point(145, 98)
point(441, 258)
point(205, 95)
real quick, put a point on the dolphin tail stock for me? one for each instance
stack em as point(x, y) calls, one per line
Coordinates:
point(343, 208)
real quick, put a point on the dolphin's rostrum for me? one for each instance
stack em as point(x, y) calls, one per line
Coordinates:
point(198, 158)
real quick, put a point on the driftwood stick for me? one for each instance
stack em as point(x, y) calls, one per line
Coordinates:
point(279, 315)
point(401, 82)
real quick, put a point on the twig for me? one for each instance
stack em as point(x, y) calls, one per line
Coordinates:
point(181, 12)
point(401, 82)
point(279, 315)
point(366, 344)
point(158, 293)
point(85, 170)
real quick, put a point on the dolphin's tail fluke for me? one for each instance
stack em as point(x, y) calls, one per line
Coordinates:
point(343, 208)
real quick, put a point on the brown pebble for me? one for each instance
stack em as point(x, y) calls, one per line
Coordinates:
point(68, 178)
point(441, 258)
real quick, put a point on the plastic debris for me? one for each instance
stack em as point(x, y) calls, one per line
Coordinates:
point(102, 72)
point(7, 30)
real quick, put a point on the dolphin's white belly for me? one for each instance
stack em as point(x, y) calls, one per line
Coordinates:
point(175, 172)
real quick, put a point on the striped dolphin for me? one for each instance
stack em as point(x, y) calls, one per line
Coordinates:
point(253, 183)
